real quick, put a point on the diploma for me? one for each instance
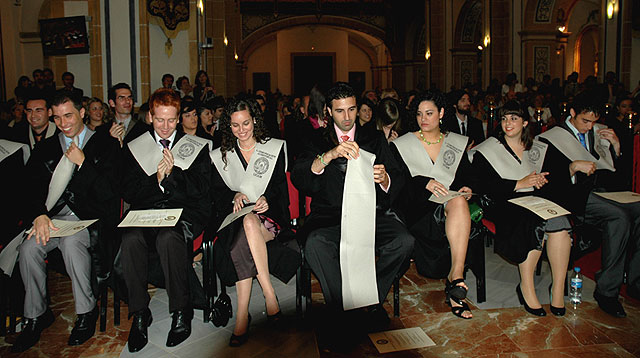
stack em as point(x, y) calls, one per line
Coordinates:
point(151, 218)
point(444, 198)
point(235, 216)
point(622, 197)
point(544, 208)
point(68, 228)
point(400, 339)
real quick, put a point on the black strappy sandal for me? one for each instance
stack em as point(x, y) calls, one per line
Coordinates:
point(459, 310)
point(457, 294)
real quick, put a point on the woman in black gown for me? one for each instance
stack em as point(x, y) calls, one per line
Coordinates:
point(521, 234)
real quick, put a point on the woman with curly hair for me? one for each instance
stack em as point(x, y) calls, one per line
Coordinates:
point(97, 113)
point(250, 171)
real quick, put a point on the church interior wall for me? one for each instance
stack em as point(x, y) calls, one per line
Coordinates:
point(264, 59)
point(359, 62)
point(160, 63)
point(78, 64)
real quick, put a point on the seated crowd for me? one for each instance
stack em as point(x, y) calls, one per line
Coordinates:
point(391, 175)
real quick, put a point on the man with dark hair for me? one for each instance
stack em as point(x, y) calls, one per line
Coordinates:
point(121, 101)
point(151, 180)
point(67, 80)
point(69, 178)
point(167, 80)
point(592, 153)
point(39, 127)
point(47, 75)
point(462, 122)
point(40, 84)
point(321, 172)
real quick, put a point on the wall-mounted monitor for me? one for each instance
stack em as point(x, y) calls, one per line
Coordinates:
point(64, 36)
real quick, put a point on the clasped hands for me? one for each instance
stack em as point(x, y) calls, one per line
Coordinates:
point(438, 189)
point(165, 166)
point(239, 200)
point(537, 180)
point(351, 150)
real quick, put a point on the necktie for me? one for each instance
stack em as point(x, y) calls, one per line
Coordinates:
point(165, 143)
point(344, 138)
point(582, 140)
point(463, 128)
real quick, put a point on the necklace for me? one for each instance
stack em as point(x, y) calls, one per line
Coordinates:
point(429, 143)
point(248, 149)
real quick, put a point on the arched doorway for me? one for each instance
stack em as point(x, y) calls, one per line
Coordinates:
point(586, 53)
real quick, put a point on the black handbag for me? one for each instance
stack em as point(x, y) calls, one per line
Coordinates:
point(222, 309)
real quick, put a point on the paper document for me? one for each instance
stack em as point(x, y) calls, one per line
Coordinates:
point(68, 228)
point(622, 197)
point(152, 218)
point(235, 216)
point(444, 198)
point(9, 255)
point(400, 340)
point(544, 208)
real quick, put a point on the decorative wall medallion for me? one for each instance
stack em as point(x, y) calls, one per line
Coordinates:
point(466, 72)
point(540, 62)
point(544, 10)
point(172, 12)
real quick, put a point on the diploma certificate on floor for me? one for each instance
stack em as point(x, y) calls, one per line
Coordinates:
point(152, 218)
point(400, 340)
point(622, 197)
point(68, 228)
point(544, 208)
point(444, 198)
point(235, 216)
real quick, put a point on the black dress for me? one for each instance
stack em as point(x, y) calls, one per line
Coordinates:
point(425, 219)
point(518, 230)
point(284, 257)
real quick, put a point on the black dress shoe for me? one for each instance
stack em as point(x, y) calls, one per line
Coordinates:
point(377, 319)
point(180, 328)
point(540, 312)
point(84, 328)
point(138, 336)
point(611, 305)
point(31, 332)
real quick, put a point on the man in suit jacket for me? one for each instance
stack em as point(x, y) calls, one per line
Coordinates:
point(620, 222)
point(121, 101)
point(320, 171)
point(88, 194)
point(169, 187)
point(37, 127)
point(462, 122)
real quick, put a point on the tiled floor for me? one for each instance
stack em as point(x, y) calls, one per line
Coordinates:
point(500, 327)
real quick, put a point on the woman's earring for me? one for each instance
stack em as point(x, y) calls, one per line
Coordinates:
point(440, 121)
point(254, 121)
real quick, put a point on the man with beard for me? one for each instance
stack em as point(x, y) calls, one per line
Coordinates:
point(463, 123)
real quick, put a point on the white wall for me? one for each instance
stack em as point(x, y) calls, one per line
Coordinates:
point(264, 59)
point(177, 64)
point(78, 64)
point(359, 62)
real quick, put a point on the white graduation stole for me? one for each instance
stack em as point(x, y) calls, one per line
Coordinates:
point(506, 165)
point(148, 154)
point(572, 149)
point(254, 180)
point(7, 148)
point(51, 129)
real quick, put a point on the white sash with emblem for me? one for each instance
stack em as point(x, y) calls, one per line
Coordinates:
point(253, 181)
point(506, 165)
point(419, 163)
point(51, 129)
point(572, 149)
point(7, 148)
point(148, 154)
point(357, 234)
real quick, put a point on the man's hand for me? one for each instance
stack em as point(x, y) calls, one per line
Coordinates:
point(117, 132)
point(380, 176)
point(532, 180)
point(261, 205)
point(437, 188)
point(348, 149)
point(392, 136)
point(238, 201)
point(583, 166)
point(40, 230)
point(75, 154)
point(168, 158)
point(610, 135)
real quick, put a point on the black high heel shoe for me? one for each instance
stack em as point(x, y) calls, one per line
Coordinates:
point(274, 319)
point(237, 341)
point(557, 311)
point(540, 312)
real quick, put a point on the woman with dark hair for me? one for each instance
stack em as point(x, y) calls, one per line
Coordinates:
point(440, 175)
point(202, 89)
point(207, 129)
point(514, 165)
point(389, 118)
point(365, 111)
point(316, 111)
point(188, 118)
point(22, 89)
point(250, 170)
point(97, 113)
point(183, 86)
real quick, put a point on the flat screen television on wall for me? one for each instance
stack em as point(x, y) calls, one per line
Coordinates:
point(64, 36)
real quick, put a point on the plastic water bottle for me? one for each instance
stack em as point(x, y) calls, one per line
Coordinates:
point(575, 291)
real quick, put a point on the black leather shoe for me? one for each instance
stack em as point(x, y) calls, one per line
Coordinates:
point(84, 328)
point(540, 312)
point(180, 328)
point(611, 305)
point(377, 318)
point(31, 332)
point(138, 336)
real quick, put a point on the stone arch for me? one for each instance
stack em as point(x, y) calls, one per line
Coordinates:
point(586, 52)
point(468, 31)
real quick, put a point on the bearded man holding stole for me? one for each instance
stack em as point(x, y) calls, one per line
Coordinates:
point(70, 178)
point(352, 219)
point(164, 169)
point(591, 152)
